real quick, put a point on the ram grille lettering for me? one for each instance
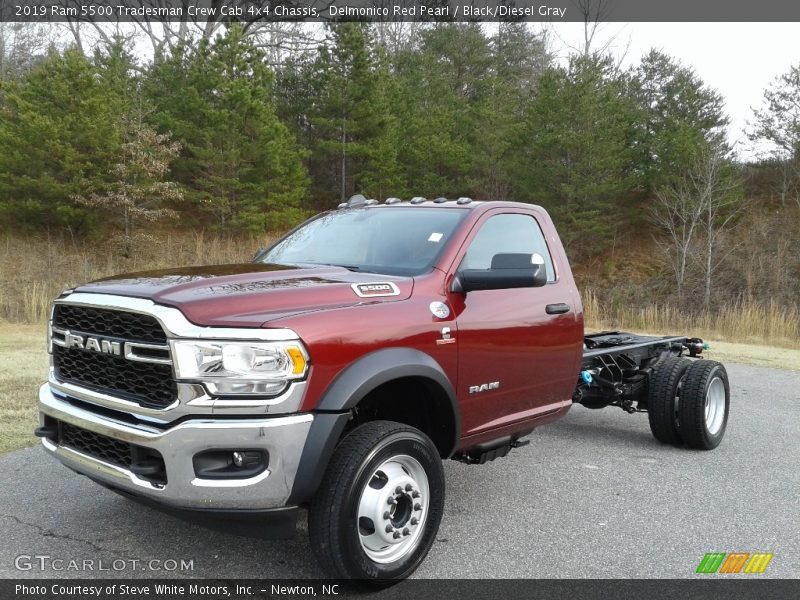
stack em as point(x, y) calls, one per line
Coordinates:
point(93, 344)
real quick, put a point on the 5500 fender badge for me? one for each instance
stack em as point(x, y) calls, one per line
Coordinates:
point(376, 289)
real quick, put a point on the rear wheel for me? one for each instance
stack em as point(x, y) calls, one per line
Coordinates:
point(663, 400)
point(704, 406)
point(378, 508)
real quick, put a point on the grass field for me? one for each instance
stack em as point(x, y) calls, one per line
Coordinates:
point(23, 367)
point(35, 270)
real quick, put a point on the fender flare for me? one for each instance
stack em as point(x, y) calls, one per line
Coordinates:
point(351, 386)
point(368, 372)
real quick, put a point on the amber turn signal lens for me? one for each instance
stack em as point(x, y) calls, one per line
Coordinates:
point(298, 360)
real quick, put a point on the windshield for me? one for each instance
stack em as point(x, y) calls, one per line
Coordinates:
point(393, 241)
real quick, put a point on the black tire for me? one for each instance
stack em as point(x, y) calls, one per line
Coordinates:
point(334, 524)
point(704, 393)
point(664, 389)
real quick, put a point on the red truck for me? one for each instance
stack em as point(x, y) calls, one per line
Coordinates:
point(337, 370)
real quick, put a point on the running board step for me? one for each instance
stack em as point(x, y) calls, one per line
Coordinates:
point(491, 450)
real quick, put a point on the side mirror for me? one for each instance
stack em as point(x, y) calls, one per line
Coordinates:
point(508, 271)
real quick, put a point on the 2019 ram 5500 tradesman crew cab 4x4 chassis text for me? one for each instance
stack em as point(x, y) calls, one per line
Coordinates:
point(338, 369)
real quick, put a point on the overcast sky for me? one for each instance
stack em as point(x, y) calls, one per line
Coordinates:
point(737, 59)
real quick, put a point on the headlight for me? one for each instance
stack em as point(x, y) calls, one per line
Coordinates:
point(240, 368)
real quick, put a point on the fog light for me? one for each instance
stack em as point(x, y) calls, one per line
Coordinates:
point(230, 464)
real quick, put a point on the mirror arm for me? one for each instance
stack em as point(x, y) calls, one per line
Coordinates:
point(455, 286)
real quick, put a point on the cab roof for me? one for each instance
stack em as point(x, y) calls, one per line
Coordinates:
point(360, 201)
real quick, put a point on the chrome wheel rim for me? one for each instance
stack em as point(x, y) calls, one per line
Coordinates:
point(715, 406)
point(392, 509)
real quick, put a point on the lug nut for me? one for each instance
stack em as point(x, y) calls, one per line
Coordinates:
point(415, 494)
point(414, 520)
point(418, 506)
point(406, 531)
point(396, 534)
point(398, 490)
point(391, 501)
point(386, 515)
point(389, 529)
point(409, 487)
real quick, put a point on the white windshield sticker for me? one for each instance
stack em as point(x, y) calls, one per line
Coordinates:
point(436, 237)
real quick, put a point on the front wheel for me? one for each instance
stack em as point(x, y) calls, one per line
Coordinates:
point(378, 509)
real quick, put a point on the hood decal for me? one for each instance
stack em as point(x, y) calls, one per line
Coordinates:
point(268, 284)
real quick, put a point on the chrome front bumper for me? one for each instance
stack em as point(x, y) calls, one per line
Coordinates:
point(283, 438)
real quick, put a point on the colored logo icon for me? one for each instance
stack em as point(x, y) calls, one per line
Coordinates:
point(734, 562)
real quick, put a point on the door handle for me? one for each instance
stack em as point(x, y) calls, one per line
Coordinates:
point(557, 309)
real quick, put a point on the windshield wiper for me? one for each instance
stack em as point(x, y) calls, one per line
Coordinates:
point(311, 265)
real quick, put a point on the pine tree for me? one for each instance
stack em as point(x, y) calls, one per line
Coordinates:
point(238, 159)
point(346, 95)
point(58, 139)
point(446, 97)
point(776, 130)
point(679, 117)
point(778, 121)
point(574, 150)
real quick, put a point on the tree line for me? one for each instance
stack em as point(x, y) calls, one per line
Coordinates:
point(217, 133)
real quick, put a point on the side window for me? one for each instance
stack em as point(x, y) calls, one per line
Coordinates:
point(503, 234)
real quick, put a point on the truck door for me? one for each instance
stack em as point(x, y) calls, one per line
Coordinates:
point(516, 347)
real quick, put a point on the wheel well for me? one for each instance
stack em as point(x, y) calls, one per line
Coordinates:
point(416, 401)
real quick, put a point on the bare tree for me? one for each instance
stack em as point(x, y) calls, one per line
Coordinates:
point(286, 40)
point(258, 19)
point(788, 184)
point(721, 203)
point(678, 212)
point(21, 44)
point(700, 205)
point(595, 15)
point(594, 12)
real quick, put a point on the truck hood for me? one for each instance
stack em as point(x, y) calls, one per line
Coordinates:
point(251, 294)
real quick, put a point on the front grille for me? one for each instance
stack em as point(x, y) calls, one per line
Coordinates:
point(145, 462)
point(133, 327)
point(149, 384)
point(97, 446)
